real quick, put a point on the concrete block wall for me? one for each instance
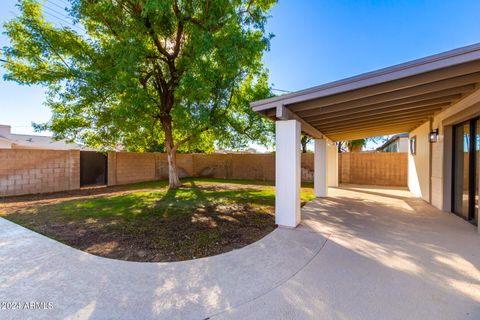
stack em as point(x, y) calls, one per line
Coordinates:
point(25, 171)
point(212, 166)
point(344, 167)
point(374, 168)
point(131, 167)
point(260, 167)
point(308, 167)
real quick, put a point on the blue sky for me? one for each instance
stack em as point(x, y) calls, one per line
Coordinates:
point(315, 42)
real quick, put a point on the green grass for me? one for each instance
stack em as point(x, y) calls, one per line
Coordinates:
point(203, 217)
point(154, 198)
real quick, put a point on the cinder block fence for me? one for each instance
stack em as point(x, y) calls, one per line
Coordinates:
point(36, 171)
point(39, 171)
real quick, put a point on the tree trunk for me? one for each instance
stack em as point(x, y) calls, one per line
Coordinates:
point(304, 141)
point(173, 180)
point(304, 148)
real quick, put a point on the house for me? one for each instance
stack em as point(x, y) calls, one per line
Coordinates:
point(435, 99)
point(9, 140)
point(397, 143)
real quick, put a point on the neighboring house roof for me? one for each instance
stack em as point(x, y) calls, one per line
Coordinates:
point(27, 141)
point(392, 140)
point(42, 142)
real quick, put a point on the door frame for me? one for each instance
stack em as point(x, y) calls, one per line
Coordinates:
point(472, 168)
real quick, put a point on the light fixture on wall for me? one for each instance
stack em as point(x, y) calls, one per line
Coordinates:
point(413, 145)
point(433, 136)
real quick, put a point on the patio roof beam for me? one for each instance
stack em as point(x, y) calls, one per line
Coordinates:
point(370, 133)
point(344, 102)
point(382, 130)
point(282, 113)
point(385, 116)
point(373, 119)
point(355, 107)
point(381, 108)
point(373, 133)
point(384, 125)
point(375, 124)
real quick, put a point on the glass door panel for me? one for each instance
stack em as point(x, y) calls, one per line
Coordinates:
point(461, 170)
point(477, 161)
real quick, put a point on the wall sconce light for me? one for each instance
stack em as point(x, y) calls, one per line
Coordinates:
point(433, 136)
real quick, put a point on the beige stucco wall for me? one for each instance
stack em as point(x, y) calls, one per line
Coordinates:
point(419, 164)
point(332, 164)
point(441, 153)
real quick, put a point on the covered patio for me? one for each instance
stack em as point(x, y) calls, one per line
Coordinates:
point(427, 95)
point(361, 253)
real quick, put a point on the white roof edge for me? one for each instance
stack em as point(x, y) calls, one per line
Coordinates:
point(410, 68)
point(6, 139)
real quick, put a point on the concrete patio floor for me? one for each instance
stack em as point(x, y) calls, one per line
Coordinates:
point(362, 253)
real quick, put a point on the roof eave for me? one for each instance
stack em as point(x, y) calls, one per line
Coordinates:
point(431, 63)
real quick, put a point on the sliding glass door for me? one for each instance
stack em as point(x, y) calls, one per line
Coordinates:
point(477, 167)
point(466, 168)
point(461, 156)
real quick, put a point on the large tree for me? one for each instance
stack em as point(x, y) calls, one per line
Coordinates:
point(150, 74)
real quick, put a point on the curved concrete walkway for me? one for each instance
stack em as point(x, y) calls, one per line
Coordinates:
point(388, 256)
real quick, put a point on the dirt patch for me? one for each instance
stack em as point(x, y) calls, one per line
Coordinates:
point(18, 202)
point(168, 228)
point(207, 232)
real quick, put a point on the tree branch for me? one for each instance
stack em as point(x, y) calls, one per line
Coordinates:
point(190, 137)
point(155, 39)
point(178, 40)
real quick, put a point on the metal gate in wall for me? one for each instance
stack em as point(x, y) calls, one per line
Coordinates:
point(93, 168)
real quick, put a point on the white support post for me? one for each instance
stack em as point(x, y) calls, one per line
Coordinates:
point(287, 173)
point(332, 164)
point(320, 182)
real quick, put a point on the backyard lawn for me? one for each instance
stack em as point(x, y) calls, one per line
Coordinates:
point(148, 222)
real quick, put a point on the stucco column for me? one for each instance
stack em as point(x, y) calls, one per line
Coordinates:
point(287, 173)
point(332, 164)
point(320, 168)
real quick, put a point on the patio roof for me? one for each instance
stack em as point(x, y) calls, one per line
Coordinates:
point(387, 101)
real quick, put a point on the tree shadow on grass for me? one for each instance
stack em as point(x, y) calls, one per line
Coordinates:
point(170, 225)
